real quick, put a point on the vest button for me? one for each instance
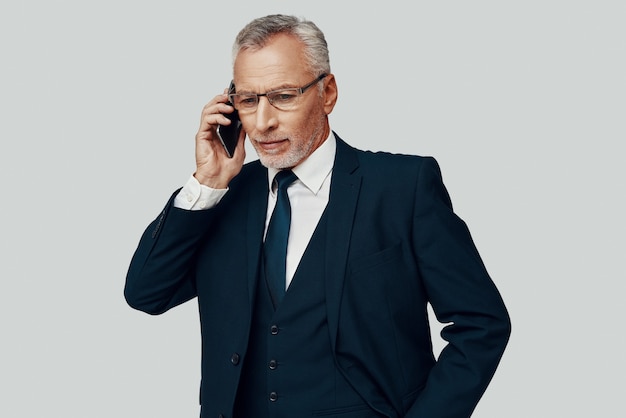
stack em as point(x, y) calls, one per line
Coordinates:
point(274, 329)
point(234, 359)
point(273, 396)
point(273, 364)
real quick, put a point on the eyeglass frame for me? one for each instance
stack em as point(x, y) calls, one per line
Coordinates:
point(299, 90)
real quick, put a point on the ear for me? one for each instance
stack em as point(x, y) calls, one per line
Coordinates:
point(329, 93)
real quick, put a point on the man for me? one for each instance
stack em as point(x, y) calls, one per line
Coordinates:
point(372, 240)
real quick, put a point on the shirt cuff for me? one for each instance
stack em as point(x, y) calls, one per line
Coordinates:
point(196, 196)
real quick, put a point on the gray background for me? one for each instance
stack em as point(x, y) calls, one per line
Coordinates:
point(522, 104)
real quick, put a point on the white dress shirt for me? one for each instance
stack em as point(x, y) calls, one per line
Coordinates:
point(308, 197)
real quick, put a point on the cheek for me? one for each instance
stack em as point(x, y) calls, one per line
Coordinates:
point(307, 121)
point(248, 124)
point(296, 125)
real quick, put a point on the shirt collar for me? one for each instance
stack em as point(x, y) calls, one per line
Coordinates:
point(315, 168)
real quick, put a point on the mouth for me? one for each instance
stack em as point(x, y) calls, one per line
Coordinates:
point(273, 144)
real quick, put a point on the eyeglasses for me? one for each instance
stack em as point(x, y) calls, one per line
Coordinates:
point(283, 99)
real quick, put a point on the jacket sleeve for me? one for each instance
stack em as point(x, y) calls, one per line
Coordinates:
point(463, 296)
point(161, 271)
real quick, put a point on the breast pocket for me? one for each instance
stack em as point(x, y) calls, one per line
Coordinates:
point(377, 284)
point(358, 411)
point(381, 258)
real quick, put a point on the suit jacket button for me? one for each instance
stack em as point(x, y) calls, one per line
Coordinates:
point(234, 359)
point(273, 364)
point(273, 396)
point(274, 329)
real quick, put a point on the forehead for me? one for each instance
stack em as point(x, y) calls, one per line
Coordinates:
point(279, 63)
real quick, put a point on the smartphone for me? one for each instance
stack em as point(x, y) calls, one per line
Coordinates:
point(229, 135)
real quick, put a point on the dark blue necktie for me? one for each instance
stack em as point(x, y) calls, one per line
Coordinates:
point(275, 247)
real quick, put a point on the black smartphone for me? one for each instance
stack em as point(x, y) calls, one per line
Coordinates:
point(229, 135)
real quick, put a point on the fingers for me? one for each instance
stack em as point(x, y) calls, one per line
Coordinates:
point(213, 167)
point(213, 114)
point(240, 149)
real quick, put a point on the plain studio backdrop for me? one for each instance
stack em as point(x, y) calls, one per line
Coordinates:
point(522, 103)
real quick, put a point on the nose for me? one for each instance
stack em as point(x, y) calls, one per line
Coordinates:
point(266, 115)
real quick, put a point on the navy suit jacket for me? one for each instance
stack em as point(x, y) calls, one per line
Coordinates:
point(394, 244)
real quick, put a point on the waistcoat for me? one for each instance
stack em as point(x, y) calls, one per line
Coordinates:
point(289, 370)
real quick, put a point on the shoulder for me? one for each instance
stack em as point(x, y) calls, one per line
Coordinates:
point(251, 179)
point(386, 163)
point(250, 171)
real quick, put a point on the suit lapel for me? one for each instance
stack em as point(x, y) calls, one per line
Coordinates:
point(344, 193)
point(257, 208)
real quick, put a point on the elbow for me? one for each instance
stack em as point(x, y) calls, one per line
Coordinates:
point(138, 301)
point(501, 330)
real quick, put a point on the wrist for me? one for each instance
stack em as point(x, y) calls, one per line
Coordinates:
point(211, 181)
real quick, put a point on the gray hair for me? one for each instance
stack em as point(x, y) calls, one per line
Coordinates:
point(258, 32)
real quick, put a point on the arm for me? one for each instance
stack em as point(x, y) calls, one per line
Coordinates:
point(160, 275)
point(462, 294)
point(161, 272)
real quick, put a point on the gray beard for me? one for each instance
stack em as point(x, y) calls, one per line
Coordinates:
point(292, 158)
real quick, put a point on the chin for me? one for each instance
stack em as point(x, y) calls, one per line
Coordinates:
point(273, 162)
point(279, 161)
point(287, 158)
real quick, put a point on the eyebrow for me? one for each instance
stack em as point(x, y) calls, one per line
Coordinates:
point(281, 87)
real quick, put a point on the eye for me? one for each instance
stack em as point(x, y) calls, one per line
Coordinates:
point(284, 96)
point(246, 101)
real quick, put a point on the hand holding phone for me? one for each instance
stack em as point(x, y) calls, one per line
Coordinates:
point(229, 134)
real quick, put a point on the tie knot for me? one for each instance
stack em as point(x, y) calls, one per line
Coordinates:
point(284, 178)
